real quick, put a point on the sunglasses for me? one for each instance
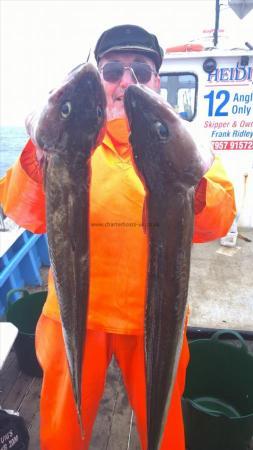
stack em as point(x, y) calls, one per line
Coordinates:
point(113, 71)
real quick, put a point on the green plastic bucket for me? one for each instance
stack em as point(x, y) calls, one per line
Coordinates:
point(218, 397)
point(24, 313)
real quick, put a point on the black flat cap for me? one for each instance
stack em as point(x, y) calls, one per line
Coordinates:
point(129, 38)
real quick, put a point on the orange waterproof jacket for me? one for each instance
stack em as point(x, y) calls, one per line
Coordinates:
point(118, 257)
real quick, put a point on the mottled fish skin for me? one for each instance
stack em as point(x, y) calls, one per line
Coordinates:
point(170, 166)
point(69, 126)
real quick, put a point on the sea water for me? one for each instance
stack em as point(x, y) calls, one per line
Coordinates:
point(12, 141)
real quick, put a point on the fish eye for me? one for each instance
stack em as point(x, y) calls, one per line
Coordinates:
point(66, 110)
point(162, 130)
point(99, 112)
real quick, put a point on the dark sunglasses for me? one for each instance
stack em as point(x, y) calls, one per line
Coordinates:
point(113, 71)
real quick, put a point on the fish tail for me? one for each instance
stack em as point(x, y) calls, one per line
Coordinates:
point(80, 420)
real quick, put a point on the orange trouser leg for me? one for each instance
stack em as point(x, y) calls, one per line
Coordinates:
point(59, 424)
point(59, 427)
point(129, 352)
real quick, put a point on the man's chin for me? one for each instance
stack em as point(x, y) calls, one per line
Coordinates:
point(116, 113)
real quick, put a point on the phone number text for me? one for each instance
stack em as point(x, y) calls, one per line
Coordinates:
point(232, 145)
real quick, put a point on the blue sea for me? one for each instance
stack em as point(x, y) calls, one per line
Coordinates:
point(12, 141)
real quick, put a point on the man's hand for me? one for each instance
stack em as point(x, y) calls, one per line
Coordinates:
point(30, 162)
point(32, 157)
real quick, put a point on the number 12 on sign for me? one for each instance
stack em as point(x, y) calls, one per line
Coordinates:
point(217, 109)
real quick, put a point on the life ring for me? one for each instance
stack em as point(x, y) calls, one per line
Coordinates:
point(186, 48)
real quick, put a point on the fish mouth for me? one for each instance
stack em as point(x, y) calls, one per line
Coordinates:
point(138, 103)
point(141, 111)
point(130, 102)
point(139, 99)
point(130, 107)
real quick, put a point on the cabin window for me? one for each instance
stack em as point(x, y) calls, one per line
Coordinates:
point(180, 90)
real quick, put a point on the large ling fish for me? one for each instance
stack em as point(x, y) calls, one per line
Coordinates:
point(69, 126)
point(170, 166)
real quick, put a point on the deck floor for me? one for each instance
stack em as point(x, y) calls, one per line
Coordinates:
point(114, 428)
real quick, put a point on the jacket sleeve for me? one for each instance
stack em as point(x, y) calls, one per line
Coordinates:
point(214, 204)
point(21, 192)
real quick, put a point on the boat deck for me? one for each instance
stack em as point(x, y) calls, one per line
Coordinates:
point(114, 428)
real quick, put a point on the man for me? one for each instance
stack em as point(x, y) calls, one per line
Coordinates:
point(118, 259)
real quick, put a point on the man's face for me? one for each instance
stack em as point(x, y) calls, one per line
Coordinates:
point(114, 90)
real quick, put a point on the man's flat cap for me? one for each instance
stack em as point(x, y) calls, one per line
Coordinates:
point(125, 38)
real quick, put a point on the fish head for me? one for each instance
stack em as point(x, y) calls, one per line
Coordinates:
point(163, 147)
point(73, 117)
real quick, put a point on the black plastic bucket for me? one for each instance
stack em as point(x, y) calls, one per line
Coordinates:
point(218, 398)
point(24, 313)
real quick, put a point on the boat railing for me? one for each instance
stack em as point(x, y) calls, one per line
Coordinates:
point(22, 254)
